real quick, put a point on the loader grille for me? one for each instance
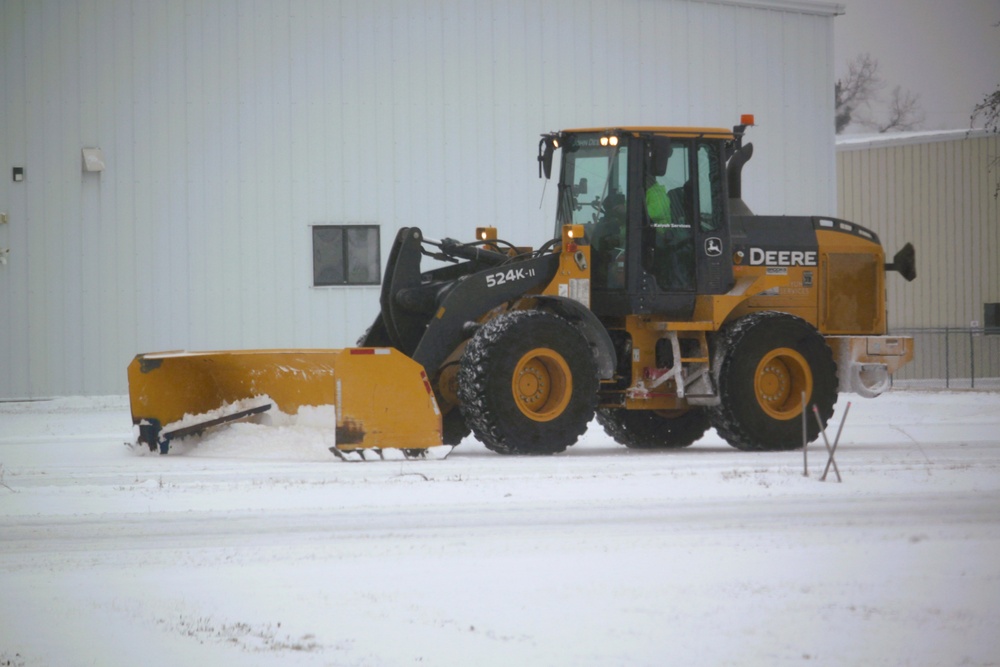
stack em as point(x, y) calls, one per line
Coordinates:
point(851, 293)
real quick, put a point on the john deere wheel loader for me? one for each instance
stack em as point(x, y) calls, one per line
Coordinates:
point(662, 305)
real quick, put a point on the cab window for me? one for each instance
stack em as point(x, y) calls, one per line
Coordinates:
point(668, 241)
point(709, 188)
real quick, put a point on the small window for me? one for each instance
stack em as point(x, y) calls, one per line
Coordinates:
point(991, 318)
point(346, 255)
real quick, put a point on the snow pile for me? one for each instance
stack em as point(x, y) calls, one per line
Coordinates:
point(224, 410)
point(305, 436)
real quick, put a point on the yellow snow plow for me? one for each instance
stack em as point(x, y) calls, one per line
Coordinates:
point(382, 398)
point(661, 305)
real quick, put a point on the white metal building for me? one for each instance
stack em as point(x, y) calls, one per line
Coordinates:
point(224, 130)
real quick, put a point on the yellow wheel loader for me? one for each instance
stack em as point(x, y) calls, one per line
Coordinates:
point(662, 305)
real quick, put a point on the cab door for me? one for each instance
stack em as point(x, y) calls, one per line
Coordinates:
point(713, 247)
point(680, 219)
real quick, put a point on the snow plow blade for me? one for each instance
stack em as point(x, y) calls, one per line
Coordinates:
point(382, 398)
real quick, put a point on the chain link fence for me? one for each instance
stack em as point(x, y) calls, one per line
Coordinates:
point(951, 358)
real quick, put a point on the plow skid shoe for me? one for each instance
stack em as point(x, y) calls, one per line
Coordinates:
point(438, 453)
point(382, 399)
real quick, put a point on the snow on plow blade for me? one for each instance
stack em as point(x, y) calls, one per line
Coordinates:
point(382, 398)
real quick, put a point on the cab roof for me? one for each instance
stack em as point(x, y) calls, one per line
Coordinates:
point(670, 131)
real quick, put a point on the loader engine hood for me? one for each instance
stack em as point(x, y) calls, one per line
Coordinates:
point(844, 261)
point(774, 241)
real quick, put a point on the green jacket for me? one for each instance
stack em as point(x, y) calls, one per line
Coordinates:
point(658, 204)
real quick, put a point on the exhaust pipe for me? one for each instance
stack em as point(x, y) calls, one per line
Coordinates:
point(734, 177)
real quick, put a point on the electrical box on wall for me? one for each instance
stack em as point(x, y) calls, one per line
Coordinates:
point(18, 174)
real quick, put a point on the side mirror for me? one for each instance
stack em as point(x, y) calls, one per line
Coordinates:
point(546, 147)
point(905, 262)
point(581, 187)
point(662, 149)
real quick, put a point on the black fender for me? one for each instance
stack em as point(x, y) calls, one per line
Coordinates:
point(591, 327)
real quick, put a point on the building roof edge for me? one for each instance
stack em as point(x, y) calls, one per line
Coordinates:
point(857, 142)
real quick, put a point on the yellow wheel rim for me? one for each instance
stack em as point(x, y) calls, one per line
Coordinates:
point(781, 377)
point(542, 384)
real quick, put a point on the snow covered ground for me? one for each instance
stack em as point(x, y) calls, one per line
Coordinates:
point(258, 547)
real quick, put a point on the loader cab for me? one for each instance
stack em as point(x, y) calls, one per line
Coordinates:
point(653, 204)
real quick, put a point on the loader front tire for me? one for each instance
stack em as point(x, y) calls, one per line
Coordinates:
point(654, 429)
point(528, 383)
point(764, 363)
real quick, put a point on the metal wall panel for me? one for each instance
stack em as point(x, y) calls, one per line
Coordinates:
point(230, 126)
point(935, 190)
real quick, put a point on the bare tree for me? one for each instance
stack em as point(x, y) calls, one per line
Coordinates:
point(905, 113)
point(857, 89)
point(857, 95)
point(989, 111)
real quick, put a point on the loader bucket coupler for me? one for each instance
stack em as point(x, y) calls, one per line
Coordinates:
point(382, 398)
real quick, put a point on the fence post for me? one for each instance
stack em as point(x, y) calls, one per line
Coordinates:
point(972, 357)
point(947, 358)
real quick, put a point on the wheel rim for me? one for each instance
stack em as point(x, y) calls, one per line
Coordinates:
point(542, 384)
point(781, 378)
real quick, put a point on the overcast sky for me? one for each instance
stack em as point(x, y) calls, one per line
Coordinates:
point(947, 51)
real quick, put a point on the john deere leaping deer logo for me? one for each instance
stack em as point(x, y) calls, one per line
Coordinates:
point(713, 246)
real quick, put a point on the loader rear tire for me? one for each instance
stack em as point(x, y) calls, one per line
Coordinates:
point(654, 429)
point(764, 362)
point(528, 383)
